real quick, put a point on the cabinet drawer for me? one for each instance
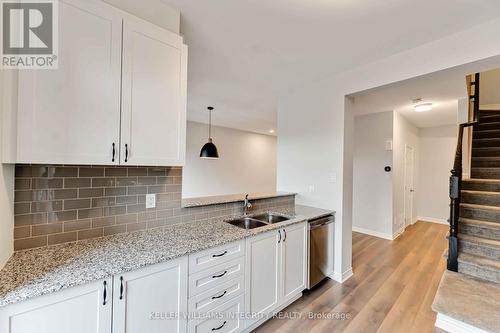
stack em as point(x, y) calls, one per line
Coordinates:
point(216, 296)
point(211, 257)
point(226, 318)
point(214, 276)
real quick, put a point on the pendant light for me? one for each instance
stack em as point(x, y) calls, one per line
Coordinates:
point(209, 150)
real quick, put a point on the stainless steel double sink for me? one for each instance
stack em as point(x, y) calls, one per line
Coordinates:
point(256, 221)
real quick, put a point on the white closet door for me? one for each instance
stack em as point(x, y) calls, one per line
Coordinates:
point(71, 115)
point(154, 95)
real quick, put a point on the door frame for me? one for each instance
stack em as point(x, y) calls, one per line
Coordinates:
point(409, 192)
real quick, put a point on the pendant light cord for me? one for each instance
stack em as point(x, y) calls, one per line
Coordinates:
point(210, 125)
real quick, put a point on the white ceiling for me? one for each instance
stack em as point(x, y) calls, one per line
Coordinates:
point(443, 89)
point(243, 53)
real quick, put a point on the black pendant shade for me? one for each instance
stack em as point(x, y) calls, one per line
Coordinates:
point(209, 150)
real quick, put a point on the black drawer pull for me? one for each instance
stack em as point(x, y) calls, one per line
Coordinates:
point(221, 326)
point(121, 287)
point(219, 255)
point(105, 293)
point(215, 297)
point(279, 233)
point(126, 152)
point(284, 232)
point(113, 158)
point(218, 276)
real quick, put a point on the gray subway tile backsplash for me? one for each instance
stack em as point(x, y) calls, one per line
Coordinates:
point(56, 204)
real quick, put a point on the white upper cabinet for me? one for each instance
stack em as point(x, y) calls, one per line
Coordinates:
point(71, 114)
point(154, 95)
point(120, 87)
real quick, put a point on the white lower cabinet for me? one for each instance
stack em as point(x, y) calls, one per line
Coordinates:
point(82, 309)
point(224, 319)
point(152, 299)
point(217, 290)
point(275, 270)
point(226, 286)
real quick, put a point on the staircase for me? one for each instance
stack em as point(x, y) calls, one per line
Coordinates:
point(479, 224)
point(468, 297)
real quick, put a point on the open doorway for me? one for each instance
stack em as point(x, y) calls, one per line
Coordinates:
point(402, 154)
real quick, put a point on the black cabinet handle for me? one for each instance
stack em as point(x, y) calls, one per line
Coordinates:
point(284, 232)
point(219, 255)
point(221, 326)
point(105, 293)
point(121, 287)
point(218, 276)
point(279, 233)
point(215, 297)
point(126, 152)
point(113, 158)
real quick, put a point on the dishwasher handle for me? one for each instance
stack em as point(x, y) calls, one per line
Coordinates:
point(321, 222)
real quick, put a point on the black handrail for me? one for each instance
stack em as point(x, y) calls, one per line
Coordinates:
point(456, 177)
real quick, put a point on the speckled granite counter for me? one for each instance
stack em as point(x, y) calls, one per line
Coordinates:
point(45, 270)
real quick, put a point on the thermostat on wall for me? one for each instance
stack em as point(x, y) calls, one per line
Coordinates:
point(388, 145)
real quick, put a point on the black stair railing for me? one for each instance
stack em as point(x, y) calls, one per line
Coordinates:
point(456, 175)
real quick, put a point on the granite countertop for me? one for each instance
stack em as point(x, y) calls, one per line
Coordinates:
point(41, 271)
point(219, 199)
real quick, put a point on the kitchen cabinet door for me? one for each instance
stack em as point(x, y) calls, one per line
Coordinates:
point(262, 273)
point(152, 299)
point(82, 309)
point(71, 115)
point(293, 260)
point(153, 96)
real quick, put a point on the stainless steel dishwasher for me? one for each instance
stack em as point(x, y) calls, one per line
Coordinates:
point(319, 236)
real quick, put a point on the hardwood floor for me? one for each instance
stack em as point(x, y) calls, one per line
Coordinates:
point(392, 289)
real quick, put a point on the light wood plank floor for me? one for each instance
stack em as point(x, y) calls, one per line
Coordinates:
point(392, 289)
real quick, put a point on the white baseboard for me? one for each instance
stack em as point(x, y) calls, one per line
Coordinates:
point(373, 233)
point(398, 233)
point(432, 219)
point(341, 277)
point(452, 325)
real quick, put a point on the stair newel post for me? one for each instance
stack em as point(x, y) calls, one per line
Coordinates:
point(455, 180)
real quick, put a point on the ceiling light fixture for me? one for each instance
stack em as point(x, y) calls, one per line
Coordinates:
point(271, 131)
point(421, 107)
point(424, 107)
point(209, 150)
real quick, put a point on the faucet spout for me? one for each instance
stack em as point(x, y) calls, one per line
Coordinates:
point(246, 206)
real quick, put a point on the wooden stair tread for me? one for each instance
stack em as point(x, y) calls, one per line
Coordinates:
point(478, 261)
point(480, 192)
point(469, 300)
point(479, 240)
point(480, 224)
point(480, 206)
point(481, 180)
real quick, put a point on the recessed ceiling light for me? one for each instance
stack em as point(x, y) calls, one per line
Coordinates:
point(424, 107)
point(271, 131)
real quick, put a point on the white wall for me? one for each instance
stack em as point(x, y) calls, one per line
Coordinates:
point(372, 185)
point(311, 122)
point(154, 11)
point(247, 162)
point(437, 151)
point(6, 191)
point(489, 94)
